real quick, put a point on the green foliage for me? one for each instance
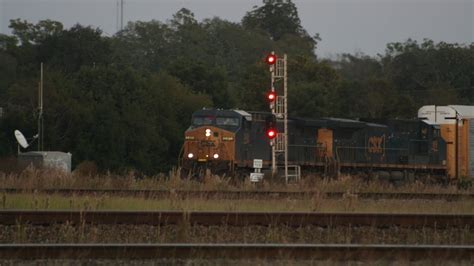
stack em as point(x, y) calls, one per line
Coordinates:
point(71, 49)
point(124, 102)
point(142, 45)
point(28, 33)
point(443, 72)
point(276, 17)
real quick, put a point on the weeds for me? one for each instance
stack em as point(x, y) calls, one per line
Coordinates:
point(34, 179)
point(349, 203)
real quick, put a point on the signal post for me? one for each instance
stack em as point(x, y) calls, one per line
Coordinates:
point(278, 106)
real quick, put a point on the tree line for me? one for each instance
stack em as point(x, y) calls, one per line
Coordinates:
point(123, 102)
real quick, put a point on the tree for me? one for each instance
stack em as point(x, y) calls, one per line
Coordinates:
point(253, 88)
point(25, 41)
point(276, 17)
point(143, 45)
point(28, 33)
point(71, 49)
point(359, 67)
point(202, 78)
point(428, 68)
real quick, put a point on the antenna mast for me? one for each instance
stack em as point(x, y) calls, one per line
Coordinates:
point(121, 14)
point(40, 111)
point(117, 16)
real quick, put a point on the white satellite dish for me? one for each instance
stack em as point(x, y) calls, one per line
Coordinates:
point(21, 139)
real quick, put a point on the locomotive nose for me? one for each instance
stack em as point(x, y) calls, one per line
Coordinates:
point(208, 144)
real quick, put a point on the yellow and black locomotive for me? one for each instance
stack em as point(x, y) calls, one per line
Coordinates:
point(223, 141)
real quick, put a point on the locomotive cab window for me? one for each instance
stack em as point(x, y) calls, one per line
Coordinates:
point(227, 121)
point(201, 121)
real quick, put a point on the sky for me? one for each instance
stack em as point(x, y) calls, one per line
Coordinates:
point(345, 26)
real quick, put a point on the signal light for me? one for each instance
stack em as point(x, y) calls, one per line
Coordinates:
point(271, 59)
point(271, 133)
point(271, 96)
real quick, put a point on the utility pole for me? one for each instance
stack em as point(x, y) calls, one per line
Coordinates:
point(40, 111)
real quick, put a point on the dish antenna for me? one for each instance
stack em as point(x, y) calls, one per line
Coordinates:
point(21, 139)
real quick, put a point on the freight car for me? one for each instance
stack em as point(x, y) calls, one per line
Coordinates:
point(227, 141)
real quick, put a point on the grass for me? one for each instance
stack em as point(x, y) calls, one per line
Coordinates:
point(346, 204)
point(33, 179)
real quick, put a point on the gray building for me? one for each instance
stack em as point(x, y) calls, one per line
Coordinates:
point(45, 159)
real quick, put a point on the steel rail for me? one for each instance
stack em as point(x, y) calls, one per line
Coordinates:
point(342, 252)
point(228, 194)
point(217, 218)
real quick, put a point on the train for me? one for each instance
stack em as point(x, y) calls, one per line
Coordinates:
point(439, 144)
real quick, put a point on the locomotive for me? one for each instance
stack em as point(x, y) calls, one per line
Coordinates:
point(227, 141)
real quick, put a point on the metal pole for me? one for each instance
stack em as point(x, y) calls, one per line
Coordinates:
point(285, 116)
point(40, 111)
point(272, 142)
point(456, 147)
point(117, 17)
point(121, 14)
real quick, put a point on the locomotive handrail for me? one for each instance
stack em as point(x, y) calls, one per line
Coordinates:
point(181, 156)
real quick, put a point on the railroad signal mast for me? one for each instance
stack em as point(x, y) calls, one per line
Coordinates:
point(278, 101)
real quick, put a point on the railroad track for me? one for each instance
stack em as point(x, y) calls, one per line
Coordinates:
point(216, 218)
point(237, 251)
point(226, 194)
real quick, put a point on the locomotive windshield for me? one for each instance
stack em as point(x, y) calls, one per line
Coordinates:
point(227, 121)
point(202, 120)
point(219, 121)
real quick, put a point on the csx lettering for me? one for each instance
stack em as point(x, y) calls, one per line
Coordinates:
point(376, 144)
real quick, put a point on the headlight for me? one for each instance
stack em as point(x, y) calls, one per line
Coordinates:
point(208, 132)
point(216, 156)
point(190, 155)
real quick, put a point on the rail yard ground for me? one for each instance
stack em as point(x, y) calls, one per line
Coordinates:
point(68, 233)
point(38, 191)
point(48, 189)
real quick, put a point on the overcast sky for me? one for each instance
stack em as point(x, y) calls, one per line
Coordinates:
point(346, 26)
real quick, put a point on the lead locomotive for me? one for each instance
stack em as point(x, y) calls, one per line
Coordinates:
point(227, 141)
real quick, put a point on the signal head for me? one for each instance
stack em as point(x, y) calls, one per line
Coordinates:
point(271, 96)
point(271, 133)
point(271, 59)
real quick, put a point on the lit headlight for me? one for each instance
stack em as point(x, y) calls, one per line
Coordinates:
point(190, 155)
point(216, 156)
point(208, 132)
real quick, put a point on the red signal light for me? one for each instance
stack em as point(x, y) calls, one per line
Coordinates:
point(271, 96)
point(271, 133)
point(271, 59)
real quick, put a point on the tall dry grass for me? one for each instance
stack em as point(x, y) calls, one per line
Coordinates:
point(37, 179)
